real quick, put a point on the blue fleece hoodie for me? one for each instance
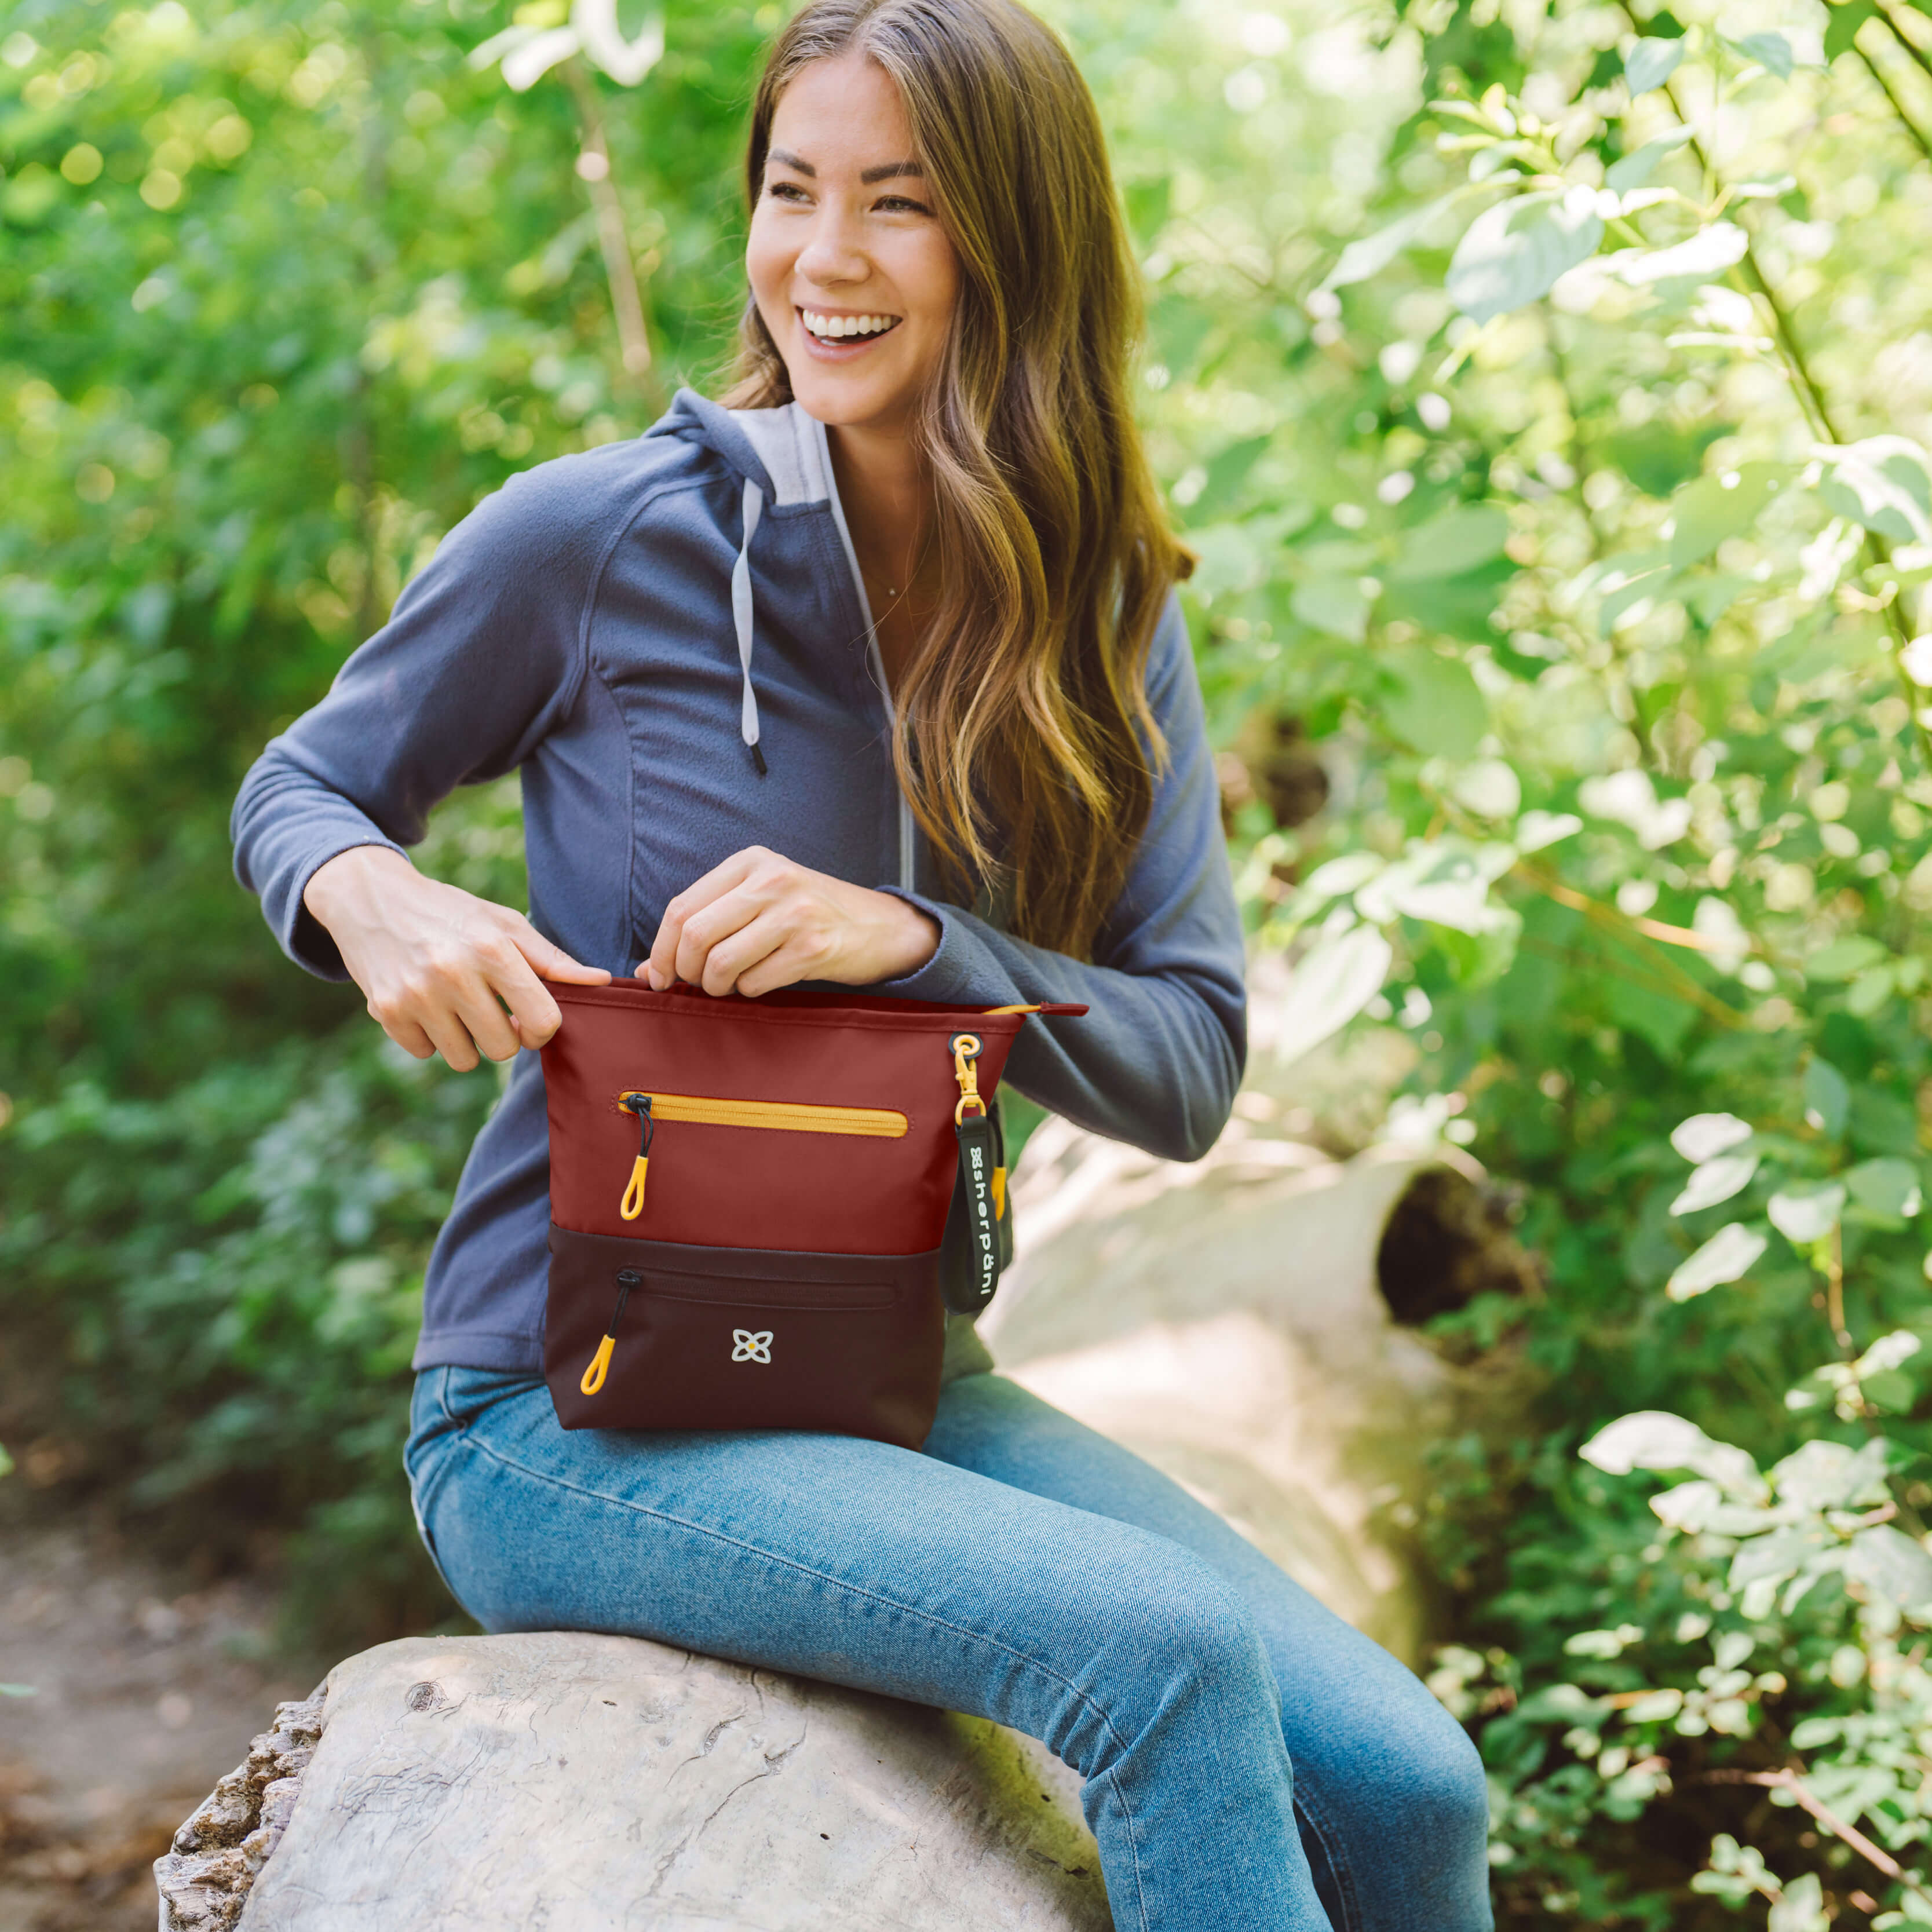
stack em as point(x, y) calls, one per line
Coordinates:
point(669, 638)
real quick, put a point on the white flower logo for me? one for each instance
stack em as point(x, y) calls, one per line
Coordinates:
point(751, 1345)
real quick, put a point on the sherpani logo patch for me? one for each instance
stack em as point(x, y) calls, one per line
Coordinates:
point(751, 1345)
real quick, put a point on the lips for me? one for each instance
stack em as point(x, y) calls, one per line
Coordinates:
point(829, 329)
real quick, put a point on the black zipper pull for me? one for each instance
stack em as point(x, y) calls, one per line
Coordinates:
point(593, 1376)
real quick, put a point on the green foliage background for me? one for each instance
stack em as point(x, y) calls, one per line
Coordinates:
point(1544, 386)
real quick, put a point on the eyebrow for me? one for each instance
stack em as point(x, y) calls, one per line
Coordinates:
point(885, 170)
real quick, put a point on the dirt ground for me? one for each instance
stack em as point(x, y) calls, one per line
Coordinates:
point(145, 1691)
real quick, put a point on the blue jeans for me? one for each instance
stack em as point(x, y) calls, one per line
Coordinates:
point(1251, 1763)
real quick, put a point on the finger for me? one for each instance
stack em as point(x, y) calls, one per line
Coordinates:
point(450, 1039)
point(784, 965)
point(739, 952)
point(533, 1013)
point(710, 927)
point(551, 960)
point(662, 968)
point(406, 1033)
point(489, 1026)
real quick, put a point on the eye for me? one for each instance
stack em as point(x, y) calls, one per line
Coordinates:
point(785, 190)
point(900, 204)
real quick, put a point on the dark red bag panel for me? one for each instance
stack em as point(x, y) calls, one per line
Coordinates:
point(713, 1338)
point(711, 1186)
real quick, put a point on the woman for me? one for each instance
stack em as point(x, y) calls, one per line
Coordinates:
point(791, 684)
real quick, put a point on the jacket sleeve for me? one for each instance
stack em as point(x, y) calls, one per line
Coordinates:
point(482, 656)
point(1157, 1059)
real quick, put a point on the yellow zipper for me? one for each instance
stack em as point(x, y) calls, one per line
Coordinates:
point(797, 1117)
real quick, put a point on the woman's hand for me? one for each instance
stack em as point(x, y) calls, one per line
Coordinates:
point(438, 965)
point(759, 921)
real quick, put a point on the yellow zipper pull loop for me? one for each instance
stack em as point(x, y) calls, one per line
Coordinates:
point(600, 1363)
point(632, 1204)
point(965, 1050)
point(593, 1376)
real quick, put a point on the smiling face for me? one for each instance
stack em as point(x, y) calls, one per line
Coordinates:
point(852, 274)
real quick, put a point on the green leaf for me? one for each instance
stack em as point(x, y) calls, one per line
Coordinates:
point(1331, 983)
point(1841, 29)
point(1781, 1554)
point(1227, 470)
point(1513, 252)
point(1713, 507)
point(1823, 1474)
point(1715, 1180)
point(1644, 586)
point(1654, 1439)
point(1800, 1906)
point(1827, 1098)
point(1657, 1017)
point(1844, 958)
point(1806, 1211)
point(1871, 990)
point(1651, 63)
point(1892, 1565)
point(1703, 257)
point(1883, 1122)
point(1457, 540)
point(1373, 253)
point(1886, 1189)
point(1147, 203)
point(1335, 605)
point(1231, 559)
point(1635, 168)
point(1436, 707)
point(1884, 482)
point(1536, 830)
point(1710, 597)
point(1657, 456)
point(1729, 1253)
point(1772, 51)
point(1704, 1136)
point(1450, 607)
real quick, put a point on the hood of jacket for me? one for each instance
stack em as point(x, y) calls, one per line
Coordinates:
point(785, 462)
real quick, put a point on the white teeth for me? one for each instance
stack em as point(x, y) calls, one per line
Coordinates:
point(833, 328)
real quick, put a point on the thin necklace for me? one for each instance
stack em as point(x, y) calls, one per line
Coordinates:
point(892, 590)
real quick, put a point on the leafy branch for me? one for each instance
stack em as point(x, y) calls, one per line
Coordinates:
point(1811, 400)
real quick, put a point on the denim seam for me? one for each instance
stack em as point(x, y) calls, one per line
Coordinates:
point(871, 1596)
point(1331, 1846)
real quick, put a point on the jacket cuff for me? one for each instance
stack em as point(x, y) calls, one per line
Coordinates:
point(302, 936)
point(961, 973)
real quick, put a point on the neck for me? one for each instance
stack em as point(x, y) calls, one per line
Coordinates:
point(887, 493)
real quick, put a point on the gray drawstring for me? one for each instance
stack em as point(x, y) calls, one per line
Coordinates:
point(741, 612)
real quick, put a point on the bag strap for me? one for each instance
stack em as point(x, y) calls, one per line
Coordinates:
point(972, 1251)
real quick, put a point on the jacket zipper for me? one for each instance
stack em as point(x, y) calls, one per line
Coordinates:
point(875, 663)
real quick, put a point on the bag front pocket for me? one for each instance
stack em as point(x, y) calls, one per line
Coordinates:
point(783, 1117)
point(641, 1334)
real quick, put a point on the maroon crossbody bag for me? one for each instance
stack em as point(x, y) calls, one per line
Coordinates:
point(761, 1210)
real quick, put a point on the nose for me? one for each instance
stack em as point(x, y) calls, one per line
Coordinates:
point(832, 254)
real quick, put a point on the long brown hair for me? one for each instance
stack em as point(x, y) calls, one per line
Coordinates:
point(1023, 737)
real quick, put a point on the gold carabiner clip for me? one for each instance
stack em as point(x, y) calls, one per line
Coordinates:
point(965, 1050)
